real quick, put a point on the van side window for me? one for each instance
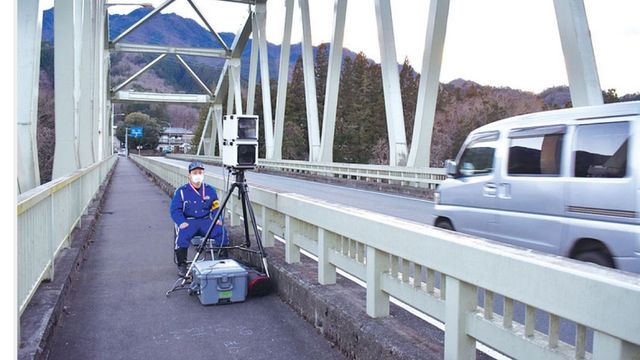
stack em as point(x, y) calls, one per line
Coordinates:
point(477, 158)
point(535, 155)
point(601, 150)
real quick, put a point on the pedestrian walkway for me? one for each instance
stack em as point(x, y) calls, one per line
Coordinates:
point(118, 308)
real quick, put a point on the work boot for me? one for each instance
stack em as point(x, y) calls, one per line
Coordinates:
point(181, 257)
point(182, 270)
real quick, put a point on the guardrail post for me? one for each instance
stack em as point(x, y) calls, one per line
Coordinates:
point(608, 347)
point(268, 239)
point(377, 300)
point(326, 270)
point(291, 251)
point(460, 301)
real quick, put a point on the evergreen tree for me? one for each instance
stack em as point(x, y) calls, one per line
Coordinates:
point(409, 84)
point(610, 96)
point(356, 126)
point(151, 130)
point(376, 121)
point(321, 65)
point(295, 143)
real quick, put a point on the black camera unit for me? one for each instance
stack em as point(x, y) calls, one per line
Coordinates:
point(240, 141)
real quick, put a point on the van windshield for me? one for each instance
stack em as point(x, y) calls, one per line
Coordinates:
point(477, 158)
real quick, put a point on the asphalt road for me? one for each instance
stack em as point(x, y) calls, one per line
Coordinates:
point(118, 309)
point(400, 206)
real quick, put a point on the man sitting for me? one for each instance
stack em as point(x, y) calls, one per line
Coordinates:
point(192, 209)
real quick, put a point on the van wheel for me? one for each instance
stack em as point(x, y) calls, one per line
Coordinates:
point(595, 257)
point(445, 224)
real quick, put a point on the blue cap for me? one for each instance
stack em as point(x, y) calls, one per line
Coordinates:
point(196, 165)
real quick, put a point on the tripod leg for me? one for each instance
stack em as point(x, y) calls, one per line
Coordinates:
point(245, 204)
point(257, 234)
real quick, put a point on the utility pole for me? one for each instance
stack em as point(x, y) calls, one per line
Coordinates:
point(126, 142)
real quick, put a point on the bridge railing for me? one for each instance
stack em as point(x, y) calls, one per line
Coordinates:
point(428, 178)
point(46, 216)
point(439, 273)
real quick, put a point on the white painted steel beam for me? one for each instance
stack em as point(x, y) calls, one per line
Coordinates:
point(193, 74)
point(159, 49)
point(420, 153)
point(148, 97)
point(261, 19)
point(391, 84)
point(253, 68)
point(138, 73)
point(103, 87)
point(579, 58)
point(29, 33)
point(142, 21)
point(311, 100)
point(221, 90)
point(239, 42)
point(206, 23)
point(248, 2)
point(87, 137)
point(283, 80)
point(100, 110)
point(234, 79)
point(111, 134)
point(65, 158)
point(205, 137)
point(333, 81)
point(230, 97)
point(216, 130)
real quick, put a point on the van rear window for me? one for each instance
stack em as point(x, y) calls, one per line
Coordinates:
point(601, 150)
point(535, 155)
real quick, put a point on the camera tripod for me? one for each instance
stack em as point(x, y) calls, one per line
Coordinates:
point(243, 193)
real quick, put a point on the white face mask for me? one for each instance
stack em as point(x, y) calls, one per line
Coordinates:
point(197, 178)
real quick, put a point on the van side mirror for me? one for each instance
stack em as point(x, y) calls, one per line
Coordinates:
point(451, 167)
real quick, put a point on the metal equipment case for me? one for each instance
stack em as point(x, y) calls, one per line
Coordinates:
point(219, 281)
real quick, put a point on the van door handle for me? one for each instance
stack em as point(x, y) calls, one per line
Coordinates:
point(505, 191)
point(490, 189)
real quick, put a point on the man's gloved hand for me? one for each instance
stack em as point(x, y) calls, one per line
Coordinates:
point(184, 225)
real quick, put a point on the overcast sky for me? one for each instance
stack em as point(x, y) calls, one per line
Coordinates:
point(493, 42)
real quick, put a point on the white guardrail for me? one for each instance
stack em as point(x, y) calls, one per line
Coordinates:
point(47, 215)
point(384, 251)
point(428, 178)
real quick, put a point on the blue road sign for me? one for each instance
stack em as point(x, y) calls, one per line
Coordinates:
point(135, 132)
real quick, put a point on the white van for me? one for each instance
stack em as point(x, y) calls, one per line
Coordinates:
point(565, 182)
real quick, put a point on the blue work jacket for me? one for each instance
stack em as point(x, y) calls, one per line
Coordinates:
point(191, 203)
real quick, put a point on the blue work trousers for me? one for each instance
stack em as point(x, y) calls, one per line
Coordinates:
point(199, 227)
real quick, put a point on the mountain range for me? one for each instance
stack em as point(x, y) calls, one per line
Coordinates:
point(175, 30)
